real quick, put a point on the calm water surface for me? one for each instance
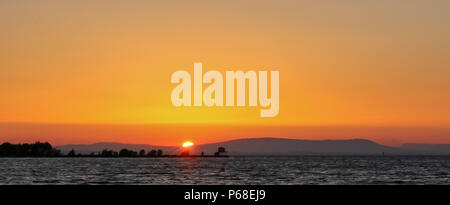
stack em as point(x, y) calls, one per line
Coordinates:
point(233, 170)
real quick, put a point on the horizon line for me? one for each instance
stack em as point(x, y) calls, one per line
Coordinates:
point(343, 139)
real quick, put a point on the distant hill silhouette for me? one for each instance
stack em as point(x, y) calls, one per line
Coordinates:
point(428, 148)
point(274, 146)
point(281, 146)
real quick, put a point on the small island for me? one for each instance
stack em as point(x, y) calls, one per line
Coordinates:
point(45, 149)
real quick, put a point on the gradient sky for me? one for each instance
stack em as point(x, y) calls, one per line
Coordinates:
point(342, 63)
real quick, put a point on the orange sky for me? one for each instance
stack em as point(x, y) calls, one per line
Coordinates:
point(342, 63)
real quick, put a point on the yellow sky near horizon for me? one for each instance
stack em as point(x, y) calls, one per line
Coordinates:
point(358, 63)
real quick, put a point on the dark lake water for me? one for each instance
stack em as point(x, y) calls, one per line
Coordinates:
point(233, 170)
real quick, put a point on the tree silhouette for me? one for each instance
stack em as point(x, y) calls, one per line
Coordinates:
point(152, 153)
point(37, 149)
point(109, 153)
point(159, 153)
point(127, 153)
point(219, 151)
point(142, 153)
point(71, 153)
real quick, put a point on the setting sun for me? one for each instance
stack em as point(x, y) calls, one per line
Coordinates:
point(188, 144)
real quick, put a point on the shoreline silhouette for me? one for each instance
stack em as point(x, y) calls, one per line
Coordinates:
point(45, 149)
point(238, 147)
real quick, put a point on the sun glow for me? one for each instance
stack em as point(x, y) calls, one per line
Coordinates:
point(188, 144)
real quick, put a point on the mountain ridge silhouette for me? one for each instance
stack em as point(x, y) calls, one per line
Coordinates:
point(274, 146)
